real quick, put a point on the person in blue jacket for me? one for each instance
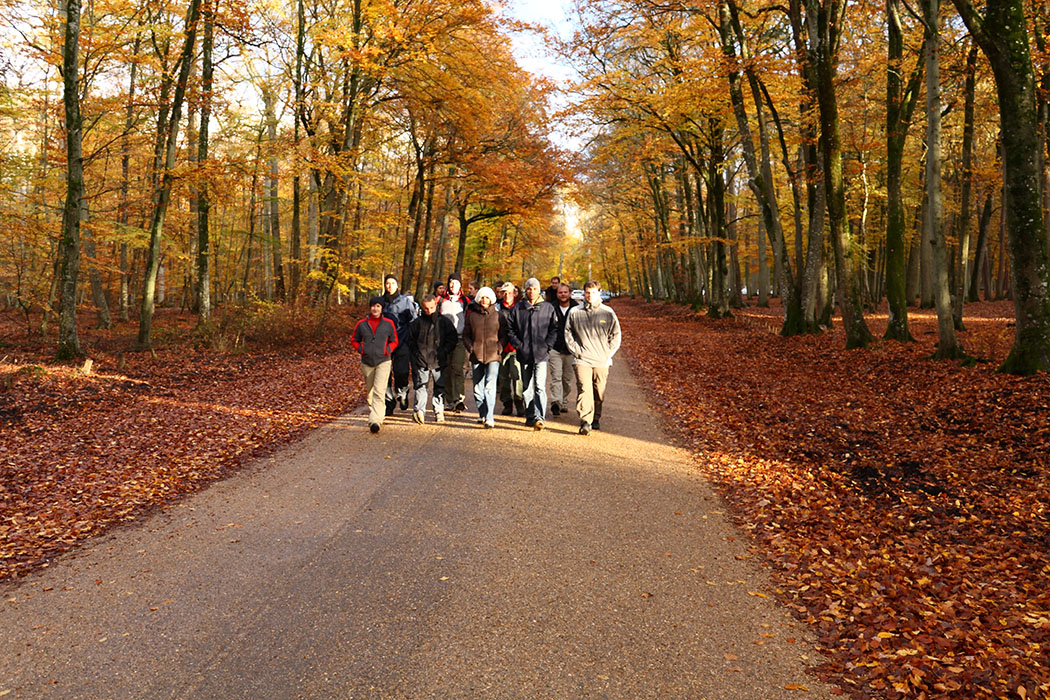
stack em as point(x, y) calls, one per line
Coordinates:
point(402, 310)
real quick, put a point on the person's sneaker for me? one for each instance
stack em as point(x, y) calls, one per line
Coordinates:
point(460, 407)
point(529, 423)
point(439, 417)
point(374, 427)
point(585, 428)
point(490, 424)
point(418, 417)
point(538, 425)
point(508, 409)
point(404, 403)
point(594, 425)
point(555, 409)
point(519, 407)
point(390, 409)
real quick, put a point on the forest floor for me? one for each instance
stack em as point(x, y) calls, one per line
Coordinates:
point(901, 503)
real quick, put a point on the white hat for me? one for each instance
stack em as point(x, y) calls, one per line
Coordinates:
point(486, 292)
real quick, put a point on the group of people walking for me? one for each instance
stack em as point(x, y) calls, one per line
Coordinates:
point(512, 339)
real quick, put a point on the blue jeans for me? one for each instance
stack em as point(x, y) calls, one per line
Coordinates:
point(534, 383)
point(420, 377)
point(485, 376)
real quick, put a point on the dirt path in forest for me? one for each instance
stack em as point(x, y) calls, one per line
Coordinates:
point(424, 562)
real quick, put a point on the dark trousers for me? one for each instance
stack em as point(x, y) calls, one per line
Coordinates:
point(397, 390)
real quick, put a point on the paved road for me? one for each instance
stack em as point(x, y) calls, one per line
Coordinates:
point(424, 562)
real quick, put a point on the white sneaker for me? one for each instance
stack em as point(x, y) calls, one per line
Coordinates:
point(439, 417)
point(418, 417)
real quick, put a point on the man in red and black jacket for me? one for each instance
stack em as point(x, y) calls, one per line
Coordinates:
point(375, 337)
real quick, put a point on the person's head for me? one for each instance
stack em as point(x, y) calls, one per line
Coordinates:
point(390, 284)
point(532, 290)
point(555, 281)
point(439, 288)
point(485, 297)
point(564, 293)
point(454, 285)
point(517, 293)
point(375, 307)
point(506, 292)
point(593, 292)
point(429, 305)
point(472, 288)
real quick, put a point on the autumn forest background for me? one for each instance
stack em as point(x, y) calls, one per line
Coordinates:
point(832, 213)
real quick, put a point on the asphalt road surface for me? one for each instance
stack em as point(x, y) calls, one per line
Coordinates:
point(435, 561)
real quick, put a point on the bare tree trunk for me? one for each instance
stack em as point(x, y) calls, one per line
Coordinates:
point(962, 288)
point(204, 193)
point(69, 246)
point(948, 345)
point(163, 195)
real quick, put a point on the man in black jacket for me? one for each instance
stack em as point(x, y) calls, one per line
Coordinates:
point(431, 339)
point(561, 359)
point(533, 328)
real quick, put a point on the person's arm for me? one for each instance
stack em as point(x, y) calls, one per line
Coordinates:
point(391, 342)
point(503, 334)
point(413, 344)
point(552, 330)
point(570, 337)
point(356, 338)
point(468, 332)
point(615, 336)
point(448, 339)
point(513, 334)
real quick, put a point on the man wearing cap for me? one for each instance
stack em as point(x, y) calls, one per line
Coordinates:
point(401, 309)
point(533, 330)
point(592, 334)
point(375, 337)
point(509, 381)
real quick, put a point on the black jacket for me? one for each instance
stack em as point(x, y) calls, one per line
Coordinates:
point(431, 340)
point(533, 330)
point(559, 341)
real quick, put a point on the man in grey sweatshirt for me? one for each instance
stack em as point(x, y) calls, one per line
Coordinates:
point(592, 334)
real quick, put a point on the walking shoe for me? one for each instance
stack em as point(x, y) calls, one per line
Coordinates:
point(519, 407)
point(490, 424)
point(418, 417)
point(439, 417)
point(508, 408)
point(538, 425)
point(585, 428)
point(390, 408)
point(374, 427)
point(555, 409)
point(404, 403)
point(460, 407)
point(529, 423)
point(594, 425)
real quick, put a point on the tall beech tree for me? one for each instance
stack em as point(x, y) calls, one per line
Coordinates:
point(69, 246)
point(1002, 33)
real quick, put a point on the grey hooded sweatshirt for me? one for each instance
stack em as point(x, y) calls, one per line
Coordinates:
point(592, 334)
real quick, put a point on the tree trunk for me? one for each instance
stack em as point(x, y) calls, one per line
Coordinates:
point(272, 208)
point(948, 345)
point(162, 196)
point(824, 18)
point(962, 289)
point(69, 246)
point(204, 189)
point(981, 249)
point(1003, 36)
point(900, 105)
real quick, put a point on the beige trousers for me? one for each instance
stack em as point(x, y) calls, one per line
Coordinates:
point(376, 380)
point(590, 392)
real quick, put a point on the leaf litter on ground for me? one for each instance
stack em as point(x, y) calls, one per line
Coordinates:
point(901, 502)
